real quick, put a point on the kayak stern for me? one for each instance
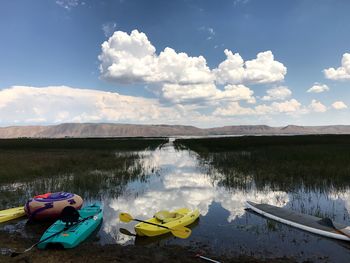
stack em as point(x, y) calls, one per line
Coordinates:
point(76, 234)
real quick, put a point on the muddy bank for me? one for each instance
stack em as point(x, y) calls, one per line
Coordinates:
point(93, 252)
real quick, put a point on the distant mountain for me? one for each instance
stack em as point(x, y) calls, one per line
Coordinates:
point(243, 129)
point(98, 130)
point(287, 130)
point(133, 130)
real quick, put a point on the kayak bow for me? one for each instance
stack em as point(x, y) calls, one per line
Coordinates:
point(305, 222)
point(12, 213)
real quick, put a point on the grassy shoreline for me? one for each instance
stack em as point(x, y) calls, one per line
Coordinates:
point(33, 158)
point(121, 144)
point(90, 251)
point(89, 167)
point(317, 162)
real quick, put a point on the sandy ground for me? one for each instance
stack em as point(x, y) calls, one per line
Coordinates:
point(92, 252)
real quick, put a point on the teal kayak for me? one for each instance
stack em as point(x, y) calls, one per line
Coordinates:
point(90, 218)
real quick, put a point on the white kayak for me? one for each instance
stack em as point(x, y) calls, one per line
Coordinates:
point(305, 222)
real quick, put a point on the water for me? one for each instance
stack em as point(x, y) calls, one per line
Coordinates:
point(177, 178)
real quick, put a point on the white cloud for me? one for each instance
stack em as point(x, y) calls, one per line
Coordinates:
point(205, 93)
point(288, 106)
point(180, 78)
point(233, 109)
point(127, 58)
point(176, 93)
point(69, 4)
point(180, 68)
point(132, 59)
point(317, 106)
point(318, 88)
point(292, 107)
point(238, 2)
point(278, 93)
point(176, 77)
point(108, 28)
point(342, 72)
point(263, 109)
point(237, 92)
point(339, 105)
point(58, 104)
point(263, 69)
point(7, 96)
point(209, 30)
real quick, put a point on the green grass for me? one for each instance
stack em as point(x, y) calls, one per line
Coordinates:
point(27, 159)
point(120, 144)
point(89, 167)
point(316, 162)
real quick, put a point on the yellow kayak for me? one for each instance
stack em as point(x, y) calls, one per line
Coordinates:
point(179, 217)
point(12, 213)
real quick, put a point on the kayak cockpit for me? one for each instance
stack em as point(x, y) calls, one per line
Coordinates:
point(166, 216)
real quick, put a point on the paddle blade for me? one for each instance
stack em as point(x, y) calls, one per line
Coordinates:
point(125, 217)
point(15, 254)
point(126, 232)
point(181, 232)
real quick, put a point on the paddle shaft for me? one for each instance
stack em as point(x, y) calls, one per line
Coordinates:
point(138, 220)
point(208, 259)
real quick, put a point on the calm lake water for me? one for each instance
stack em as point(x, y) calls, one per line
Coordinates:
point(178, 178)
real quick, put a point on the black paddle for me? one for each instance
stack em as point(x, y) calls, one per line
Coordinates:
point(15, 254)
point(126, 232)
point(328, 222)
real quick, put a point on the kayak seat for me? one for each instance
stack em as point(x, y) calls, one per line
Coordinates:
point(166, 216)
point(69, 215)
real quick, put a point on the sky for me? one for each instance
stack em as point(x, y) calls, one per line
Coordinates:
point(189, 62)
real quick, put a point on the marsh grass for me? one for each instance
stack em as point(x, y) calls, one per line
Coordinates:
point(120, 144)
point(90, 167)
point(315, 162)
point(26, 165)
point(27, 159)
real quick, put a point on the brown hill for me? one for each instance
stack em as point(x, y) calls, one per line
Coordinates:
point(135, 130)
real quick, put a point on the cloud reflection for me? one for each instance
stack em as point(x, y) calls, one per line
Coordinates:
point(180, 184)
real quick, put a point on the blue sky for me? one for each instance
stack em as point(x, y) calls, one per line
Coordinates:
point(174, 68)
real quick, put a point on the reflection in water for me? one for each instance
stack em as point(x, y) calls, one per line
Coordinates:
point(317, 163)
point(224, 226)
point(168, 179)
point(181, 185)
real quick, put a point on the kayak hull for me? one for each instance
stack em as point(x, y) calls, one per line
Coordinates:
point(301, 221)
point(143, 229)
point(12, 213)
point(76, 234)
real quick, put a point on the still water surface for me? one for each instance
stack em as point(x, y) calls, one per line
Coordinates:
point(177, 178)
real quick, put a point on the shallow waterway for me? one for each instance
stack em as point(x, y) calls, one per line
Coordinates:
point(178, 178)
